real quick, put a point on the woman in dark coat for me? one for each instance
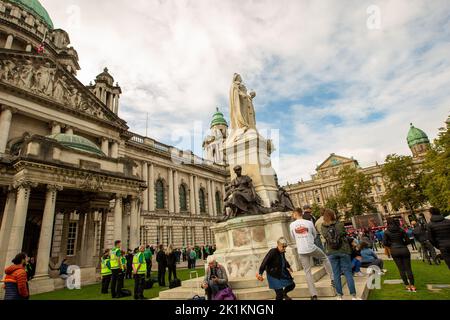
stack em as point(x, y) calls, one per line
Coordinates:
point(396, 239)
point(278, 271)
point(161, 259)
point(171, 263)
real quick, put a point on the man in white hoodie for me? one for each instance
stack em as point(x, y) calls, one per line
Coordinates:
point(304, 233)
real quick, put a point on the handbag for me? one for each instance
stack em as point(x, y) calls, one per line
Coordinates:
point(225, 294)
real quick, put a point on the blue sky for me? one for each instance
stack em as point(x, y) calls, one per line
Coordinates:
point(331, 76)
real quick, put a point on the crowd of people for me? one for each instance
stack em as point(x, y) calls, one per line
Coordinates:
point(343, 253)
point(323, 242)
point(117, 265)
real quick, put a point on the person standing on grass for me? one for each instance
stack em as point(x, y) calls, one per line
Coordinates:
point(105, 272)
point(161, 259)
point(15, 281)
point(116, 269)
point(304, 233)
point(397, 241)
point(171, 262)
point(129, 272)
point(278, 271)
point(193, 256)
point(148, 259)
point(338, 250)
point(139, 271)
point(439, 233)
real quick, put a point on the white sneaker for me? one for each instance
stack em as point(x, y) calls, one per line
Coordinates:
point(358, 274)
point(339, 298)
point(356, 298)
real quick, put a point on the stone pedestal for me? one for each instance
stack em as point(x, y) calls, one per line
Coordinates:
point(243, 242)
point(252, 152)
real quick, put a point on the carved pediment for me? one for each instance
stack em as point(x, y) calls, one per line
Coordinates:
point(334, 161)
point(45, 78)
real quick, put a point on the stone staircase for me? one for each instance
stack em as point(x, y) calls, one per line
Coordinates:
point(252, 289)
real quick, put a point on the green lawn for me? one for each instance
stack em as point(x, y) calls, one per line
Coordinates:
point(423, 274)
point(92, 292)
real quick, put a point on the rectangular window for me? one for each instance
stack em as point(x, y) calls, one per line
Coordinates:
point(71, 238)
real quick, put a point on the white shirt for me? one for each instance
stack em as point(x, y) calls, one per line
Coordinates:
point(304, 233)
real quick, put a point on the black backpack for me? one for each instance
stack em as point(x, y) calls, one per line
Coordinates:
point(333, 238)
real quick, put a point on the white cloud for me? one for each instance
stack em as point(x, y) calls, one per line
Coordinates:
point(175, 59)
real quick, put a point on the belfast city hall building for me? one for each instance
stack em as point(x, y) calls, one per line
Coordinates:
point(73, 177)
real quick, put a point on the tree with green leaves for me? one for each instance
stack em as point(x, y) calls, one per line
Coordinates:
point(315, 210)
point(403, 183)
point(436, 177)
point(333, 204)
point(354, 191)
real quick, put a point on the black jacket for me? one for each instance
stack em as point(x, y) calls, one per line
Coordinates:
point(439, 231)
point(395, 238)
point(419, 233)
point(171, 259)
point(161, 258)
point(272, 264)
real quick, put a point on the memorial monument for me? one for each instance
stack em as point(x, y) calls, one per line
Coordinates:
point(257, 209)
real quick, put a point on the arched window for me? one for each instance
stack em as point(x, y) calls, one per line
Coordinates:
point(218, 203)
point(183, 200)
point(159, 194)
point(202, 200)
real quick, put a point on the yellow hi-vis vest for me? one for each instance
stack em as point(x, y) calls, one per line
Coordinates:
point(114, 258)
point(124, 263)
point(106, 271)
point(143, 268)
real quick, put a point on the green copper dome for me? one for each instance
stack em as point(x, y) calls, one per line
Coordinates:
point(35, 8)
point(218, 119)
point(416, 136)
point(77, 143)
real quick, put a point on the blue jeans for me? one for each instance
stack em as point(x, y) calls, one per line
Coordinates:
point(341, 263)
point(356, 265)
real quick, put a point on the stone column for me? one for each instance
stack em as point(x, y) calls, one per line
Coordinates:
point(116, 107)
point(5, 230)
point(45, 238)
point(56, 128)
point(9, 41)
point(105, 146)
point(177, 191)
point(298, 199)
point(69, 131)
point(213, 196)
point(89, 236)
point(125, 224)
point(192, 196)
point(103, 231)
point(210, 198)
point(145, 192)
point(5, 125)
point(134, 224)
point(115, 150)
point(80, 236)
point(18, 225)
point(151, 188)
point(118, 218)
point(171, 204)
